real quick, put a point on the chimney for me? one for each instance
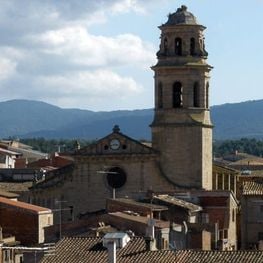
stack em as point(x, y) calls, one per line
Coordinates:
point(150, 244)
point(112, 241)
point(150, 239)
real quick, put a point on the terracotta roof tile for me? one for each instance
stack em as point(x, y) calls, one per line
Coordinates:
point(178, 202)
point(23, 205)
point(253, 188)
point(8, 194)
point(240, 256)
point(77, 250)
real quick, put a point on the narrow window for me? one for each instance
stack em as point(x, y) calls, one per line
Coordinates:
point(165, 46)
point(177, 95)
point(225, 233)
point(160, 95)
point(233, 215)
point(178, 46)
point(207, 95)
point(192, 46)
point(196, 95)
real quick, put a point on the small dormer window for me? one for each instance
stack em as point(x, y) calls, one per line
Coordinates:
point(178, 46)
point(192, 46)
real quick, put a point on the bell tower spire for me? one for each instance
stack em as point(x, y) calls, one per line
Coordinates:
point(182, 129)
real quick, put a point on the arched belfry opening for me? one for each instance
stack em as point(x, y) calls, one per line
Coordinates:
point(192, 46)
point(177, 95)
point(182, 127)
point(196, 95)
point(178, 46)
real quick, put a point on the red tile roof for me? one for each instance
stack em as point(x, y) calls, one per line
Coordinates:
point(241, 256)
point(79, 249)
point(23, 205)
point(253, 188)
point(8, 194)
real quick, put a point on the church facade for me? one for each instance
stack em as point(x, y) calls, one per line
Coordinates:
point(181, 153)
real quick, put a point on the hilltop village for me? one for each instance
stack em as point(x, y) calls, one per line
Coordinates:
point(121, 200)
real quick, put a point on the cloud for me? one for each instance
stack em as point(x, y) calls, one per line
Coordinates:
point(7, 68)
point(85, 88)
point(49, 53)
point(127, 6)
point(85, 49)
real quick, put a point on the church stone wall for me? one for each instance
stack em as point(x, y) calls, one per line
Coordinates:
point(87, 189)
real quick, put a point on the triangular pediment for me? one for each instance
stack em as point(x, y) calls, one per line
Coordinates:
point(116, 143)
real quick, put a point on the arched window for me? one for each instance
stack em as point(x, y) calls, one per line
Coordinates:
point(207, 94)
point(178, 46)
point(160, 95)
point(192, 46)
point(177, 95)
point(196, 102)
point(165, 46)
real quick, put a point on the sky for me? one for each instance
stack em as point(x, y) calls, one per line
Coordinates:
point(97, 54)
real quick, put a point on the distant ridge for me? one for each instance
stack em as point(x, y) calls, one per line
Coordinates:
point(27, 119)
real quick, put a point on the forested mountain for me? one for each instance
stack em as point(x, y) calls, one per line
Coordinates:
point(25, 119)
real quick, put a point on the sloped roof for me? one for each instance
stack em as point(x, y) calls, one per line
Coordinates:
point(253, 188)
point(139, 219)
point(129, 201)
point(178, 202)
point(16, 187)
point(76, 250)
point(8, 194)
point(180, 17)
point(128, 146)
point(91, 250)
point(22, 205)
point(203, 256)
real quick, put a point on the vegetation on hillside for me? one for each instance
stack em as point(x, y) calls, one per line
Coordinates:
point(50, 146)
point(220, 148)
point(245, 145)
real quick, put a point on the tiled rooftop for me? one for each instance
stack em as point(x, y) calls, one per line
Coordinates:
point(219, 256)
point(140, 219)
point(16, 187)
point(77, 250)
point(153, 207)
point(178, 202)
point(253, 188)
point(23, 205)
point(7, 194)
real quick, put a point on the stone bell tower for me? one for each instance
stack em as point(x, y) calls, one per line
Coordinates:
point(182, 129)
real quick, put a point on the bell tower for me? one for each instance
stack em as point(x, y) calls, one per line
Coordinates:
point(182, 129)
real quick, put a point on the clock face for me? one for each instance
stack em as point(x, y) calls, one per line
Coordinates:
point(115, 144)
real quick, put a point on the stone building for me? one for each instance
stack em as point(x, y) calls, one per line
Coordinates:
point(182, 129)
point(25, 221)
point(181, 152)
point(252, 213)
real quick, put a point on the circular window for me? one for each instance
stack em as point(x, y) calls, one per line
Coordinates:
point(116, 177)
